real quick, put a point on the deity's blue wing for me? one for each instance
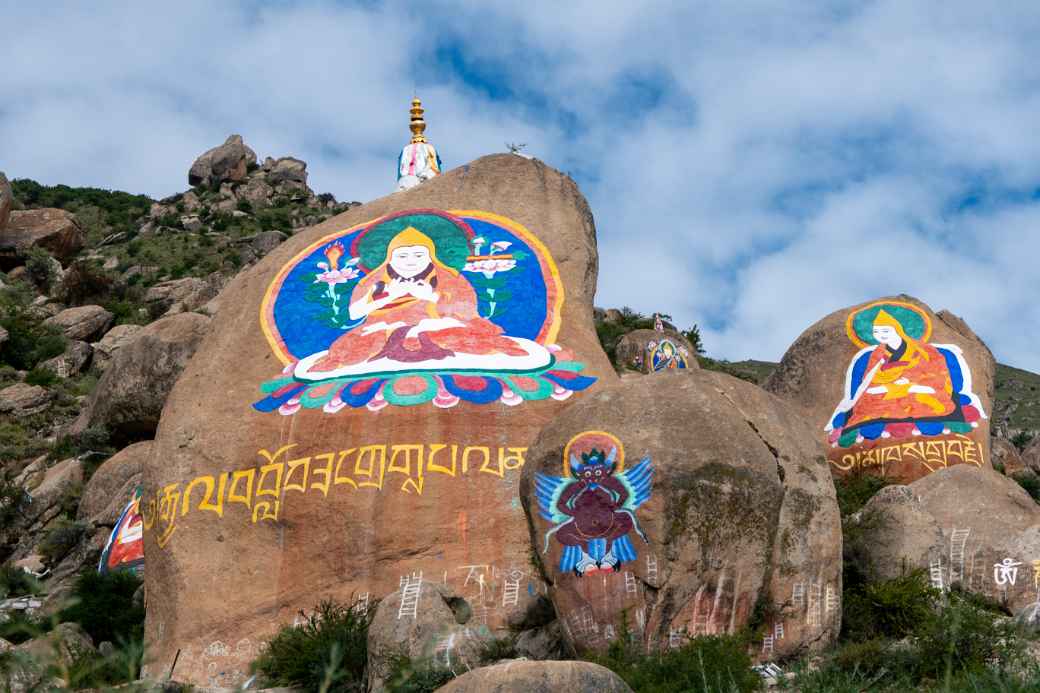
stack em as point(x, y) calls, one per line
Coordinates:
point(639, 482)
point(548, 489)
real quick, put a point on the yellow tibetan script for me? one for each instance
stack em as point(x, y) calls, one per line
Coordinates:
point(933, 454)
point(261, 489)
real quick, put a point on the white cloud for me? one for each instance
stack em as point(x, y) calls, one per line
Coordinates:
point(767, 162)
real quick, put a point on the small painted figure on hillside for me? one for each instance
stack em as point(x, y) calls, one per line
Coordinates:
point(593, 505)
point(899, 385)
point(666, 355)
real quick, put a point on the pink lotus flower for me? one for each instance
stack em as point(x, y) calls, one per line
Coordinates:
point(488, 265)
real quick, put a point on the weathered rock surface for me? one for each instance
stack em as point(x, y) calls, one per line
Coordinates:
point(6, 200)
point(75, 358)
point(180, 295)
point(1031, 455)
point(82, 322)
point(741, 509)
point(651, 351)
point(112, 485)
point(978, 527)
point(228, 162)
point(114, 340)
point(443, 630)
point(130, 395)
point(54, 230)
point(452, 515)
point(538, 677)
point(36, 661)
point(899, 410)
point(48, 495)
point(1006, 456)
point(22, 399)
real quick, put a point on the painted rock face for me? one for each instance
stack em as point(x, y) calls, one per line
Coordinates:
point(907, 391)
point(669, 507)
point(357, 421)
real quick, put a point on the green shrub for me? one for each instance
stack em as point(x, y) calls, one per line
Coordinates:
point(39, 375)
point(40, 265)
point(104, 605)
point(91, 669)
point(60, 539)
point(1029, 481)
point(408, 676)
point(497, 649)
point(20, 627)
point(702, 665)
point(15, 582)
point(855, 489)
point(328, 652)
point(1022, 439)
point(888, 609)
point(12, 496)
point(245, 205)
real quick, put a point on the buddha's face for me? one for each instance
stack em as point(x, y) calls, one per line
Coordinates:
point(410, 260)
point(887, 335)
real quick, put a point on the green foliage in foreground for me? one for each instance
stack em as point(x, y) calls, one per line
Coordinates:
point(855, 489)
point(711, 664)
point(104, 606)
point(327, 653)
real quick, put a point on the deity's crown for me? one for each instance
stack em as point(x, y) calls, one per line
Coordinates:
point(593, 456)
point(883, 318)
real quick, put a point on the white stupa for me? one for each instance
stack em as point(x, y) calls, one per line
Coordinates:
point(419, 160)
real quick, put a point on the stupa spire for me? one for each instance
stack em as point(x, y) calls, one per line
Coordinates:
point(419, 160)
point(418, 125)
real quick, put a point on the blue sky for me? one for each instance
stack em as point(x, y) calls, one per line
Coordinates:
point(768, 162)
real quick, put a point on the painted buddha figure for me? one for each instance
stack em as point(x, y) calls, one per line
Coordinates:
point(903, 386)
point(413, 309)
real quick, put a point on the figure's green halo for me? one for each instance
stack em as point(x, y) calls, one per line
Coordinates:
point(450, 236)
point(914, 321)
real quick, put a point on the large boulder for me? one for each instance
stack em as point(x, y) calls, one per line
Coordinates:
point(1004, 455)
point(6, 200)
point(230, 161)
point(963, 525)
point(538, 677)
point(651, 351)
point(679, 505)
point(180, 295)
point(72, 361)
point(82, 322)
point(317, 455)
point(56, 485)
point(112, 485)
point(54, 230)
point(288, 169)
point(424, 621)
point(114, 340)
point(915, 401)
point(22, 399)
point(1031, 455)
point(133, 389)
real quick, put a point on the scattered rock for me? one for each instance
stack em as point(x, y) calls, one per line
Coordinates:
point(738, 509)
point(114, 340)
point(441, 616)
point(22, 399)
point(1006, 456)
point(82, 322)
point(180, 295)
point(31, 477)
point(544, 642)
point(228, 162)
point(112, 485)
point(47, 498)
point(130, 395)
point(6, 200)
point(538, 677)
point(1031, 455)
point(73, 361)
point(651, 351)
point(54, 230)
point(191, 223)
point(981, 528)
point(926, 409)
point(288, 169)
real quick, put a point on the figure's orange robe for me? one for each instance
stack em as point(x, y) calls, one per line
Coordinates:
point(925, 366)
point(456, 299)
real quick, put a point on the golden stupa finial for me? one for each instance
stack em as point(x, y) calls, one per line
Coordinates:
point(418, 125)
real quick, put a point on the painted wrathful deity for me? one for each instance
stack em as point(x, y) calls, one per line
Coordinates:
point(419, 306)
point(593, 506)
point(899, 385)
